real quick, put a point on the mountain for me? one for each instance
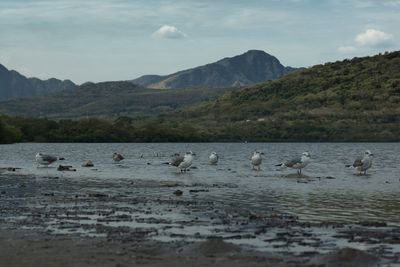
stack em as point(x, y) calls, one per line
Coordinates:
point(107, 99)
point(15, 85)
point(252, 67)
point(350, 100)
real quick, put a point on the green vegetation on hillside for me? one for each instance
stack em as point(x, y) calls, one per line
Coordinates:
point(9, 133)
point(357, 100)
point(108, 99)
point(351, 100)
point(123, 129)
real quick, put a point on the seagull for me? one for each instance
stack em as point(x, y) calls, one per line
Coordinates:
point(45, 159)
point(213, 158)
point(183, 162)
point(176, 160)
point(363, 162)
point(117, 157)
point(298, 163)
point(256, 160)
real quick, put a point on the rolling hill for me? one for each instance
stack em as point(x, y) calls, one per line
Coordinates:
point(252, 67)
point(356, 100)
point(15, 85)
point(107, 99)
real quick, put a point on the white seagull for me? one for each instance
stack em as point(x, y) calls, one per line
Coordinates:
point(45, 159)
point(363, 162)
point(256, 160)
point(213, 158)
point(117, 157)
point(298, 163)
point(183, 162)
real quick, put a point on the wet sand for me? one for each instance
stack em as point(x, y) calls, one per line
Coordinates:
point(56, 221)
point(27, 249)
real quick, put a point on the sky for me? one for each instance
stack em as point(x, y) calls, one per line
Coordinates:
point(104, 40)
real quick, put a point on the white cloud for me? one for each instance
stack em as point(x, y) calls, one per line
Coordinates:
point(168, 32)
point(373, 38)
point(346, 49)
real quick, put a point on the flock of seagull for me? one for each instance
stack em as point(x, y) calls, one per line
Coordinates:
point(184, 162)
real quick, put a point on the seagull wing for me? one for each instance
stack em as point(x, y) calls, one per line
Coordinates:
point(293, 161)
point(49, 158)
point(358, 162)
point(176, 161)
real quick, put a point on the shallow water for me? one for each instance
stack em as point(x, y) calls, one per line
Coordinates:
point(331, 193)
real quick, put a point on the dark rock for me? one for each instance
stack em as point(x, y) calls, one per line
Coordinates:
point(88, 163)
point(178, 192)
point(65, 168)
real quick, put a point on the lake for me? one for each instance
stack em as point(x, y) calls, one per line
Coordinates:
point(332, 193)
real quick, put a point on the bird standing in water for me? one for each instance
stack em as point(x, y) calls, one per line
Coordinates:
point(256, 160)
point(298, 163)
point(117, 157)
point(363, 162)
point(183, 162)
point(46, 159)
point(213, 158)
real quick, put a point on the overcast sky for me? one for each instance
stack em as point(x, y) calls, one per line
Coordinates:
point(98, 40)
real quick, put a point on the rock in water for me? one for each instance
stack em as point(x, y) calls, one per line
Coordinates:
point(178, 192)
point(65, 168)
point(88, 163)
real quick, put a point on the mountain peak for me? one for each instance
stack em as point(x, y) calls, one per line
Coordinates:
point(15, 85)
point(3, 68)
point(256, 52)
point(251, 67)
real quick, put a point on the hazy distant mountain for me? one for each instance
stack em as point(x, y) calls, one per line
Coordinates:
point(15, 85)
point(108, 99)
point(252, 67)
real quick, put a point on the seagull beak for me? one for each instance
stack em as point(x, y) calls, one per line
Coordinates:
point(262, 153)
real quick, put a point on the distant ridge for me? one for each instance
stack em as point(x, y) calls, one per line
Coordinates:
point(15, 85)
point(252, 67)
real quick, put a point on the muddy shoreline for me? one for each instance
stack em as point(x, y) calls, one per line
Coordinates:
point(56, 221)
